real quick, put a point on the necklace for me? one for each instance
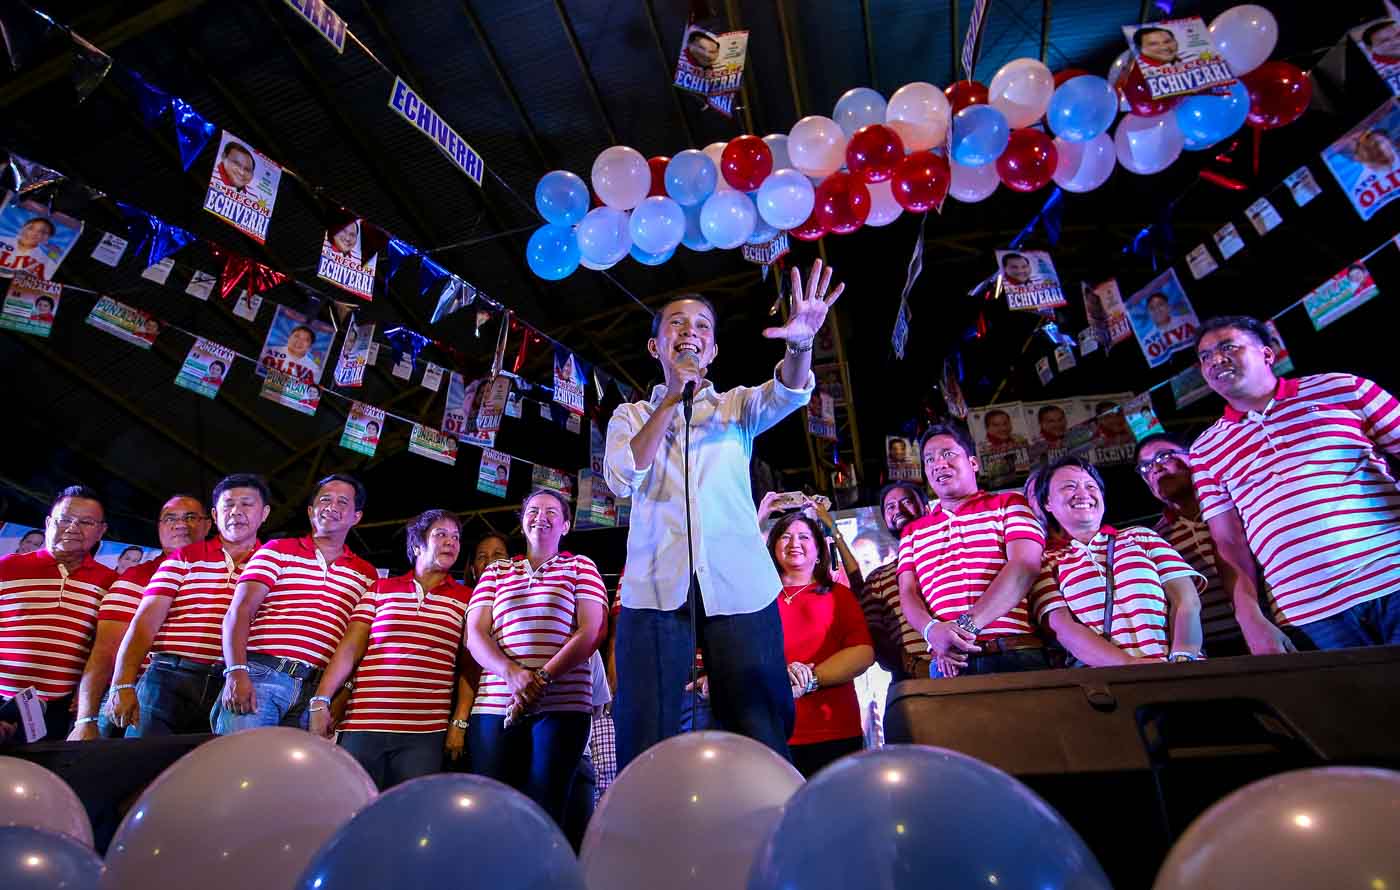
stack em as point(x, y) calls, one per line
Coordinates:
point(788, 598)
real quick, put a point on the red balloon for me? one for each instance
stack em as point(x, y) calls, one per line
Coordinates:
point(873, 152)
point(745, 162)
point(965, 93)
point(1132, 86)
point(658, 175)
point(810, 230)
point(1068, 74)
point(1028, 162)
point(843, 203)
point(1279, 93)
point(921, 181)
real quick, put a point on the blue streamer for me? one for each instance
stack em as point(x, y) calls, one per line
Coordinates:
point(393, 257)
point(405, 342)
point(154, 238)
point(431, 277)
point(192, 131)
point(151, 101)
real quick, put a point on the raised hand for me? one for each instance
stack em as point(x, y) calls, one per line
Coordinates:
point(809, 306)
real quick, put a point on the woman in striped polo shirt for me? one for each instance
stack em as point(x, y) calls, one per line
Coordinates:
point(533, 623)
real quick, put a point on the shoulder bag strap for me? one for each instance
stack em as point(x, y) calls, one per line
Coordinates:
point(1108, 592)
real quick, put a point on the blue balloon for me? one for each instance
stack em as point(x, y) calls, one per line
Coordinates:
point(562, 197)
point(446, 830)
point(887, 818)
point(651, 259)
point(1205, 120)
point(691, 177)
point(34, 859)
point(1082, 108)
point(694, 238)
point(553, 252)
point(980, 135)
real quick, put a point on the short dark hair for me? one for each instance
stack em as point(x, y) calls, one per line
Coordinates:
point(1369, 34)
point(957, 431)
point(33, 531)
point(221, 365)
point(243, 480)
point(1158, 295)
point(988, 416)
point(1013, 256)
point(488, 536)
point(81, 492)
point(1046, 409)
point(1170, 438)
point(701, 35)
point(558, 496)
point(42, 219)
point(48, 300)
point(237, 146)
point(1349, 268)
point(187, 496)
point(914, 490)
point(821, 572)
point(1042, 484)
point(1148, 29)
point(417, 529)
point(361, 494)
point(699, 298)
point(303, 327)
point(1247, 323)
point(130, 548)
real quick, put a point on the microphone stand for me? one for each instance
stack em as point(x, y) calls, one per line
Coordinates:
point(687, 407)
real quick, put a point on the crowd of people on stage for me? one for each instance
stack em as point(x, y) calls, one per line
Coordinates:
point(1280, 530)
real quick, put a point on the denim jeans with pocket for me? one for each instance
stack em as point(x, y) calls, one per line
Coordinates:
point(394, 757)
point(176, 696)
point(1372, 623)
point(537, 756)
point(280, 700)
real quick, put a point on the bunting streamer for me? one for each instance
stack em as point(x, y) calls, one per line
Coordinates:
point(254, 276)
point(153, 237)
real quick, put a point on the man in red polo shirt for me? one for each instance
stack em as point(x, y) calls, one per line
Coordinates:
point(289, 612)
point(182, 521)
point(966, 567)
point(48, 611)
point(1294, 476)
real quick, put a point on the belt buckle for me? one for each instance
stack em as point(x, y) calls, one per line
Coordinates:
point(284, 666)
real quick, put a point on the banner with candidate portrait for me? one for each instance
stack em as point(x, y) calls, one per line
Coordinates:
point(597, 505)
point(711, 64)
point(33, 239)
point(1366, 162)
point(1162, 318)
point(821, 416)
point(1340, 294)
point(460, 415)
point(1379, 42)
point(494, 475)
point(1176, 57)
point(433, 444)
point(1028, 279)
point(363, 427)
point(124, 322)
point(119, 556)
point(1283, 361)
point(284, 389)
point(1110, 431)
point(1103, 305)
point(243, 187)
point(296, 345)
point(205, 368)
point(491, 406)
point(30, 305)
point(1048, 426)
point(556, 480)
point(20, 539)
point(999, 432)
point(354, 355)
point(570, 380)
point(343, 261)
point(902, 459)
point(1142, 418)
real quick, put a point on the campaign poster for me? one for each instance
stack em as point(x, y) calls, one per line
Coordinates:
point(1103, 304)
point(1064, 358)
point(514, 407)
point(1302, 185)
point(433, 444)
point(1228, 239)
point(33, 239)
point(821, 416)
point(1048, 423)
point(1028, 279)
point(1043, 370)
point(494, 475)
point(1189, 386)
point(202, 285)
point(999, 432)
point(1142, 419)
point(902, 459)
point(597, 505)
point(243, 187)
point(548, 477)
point(829, 380)
point(1366, 162)
point(21, 539)
point(1176, 57)
point(951, 384)
point(1088, 341)
point(570, 380)
point(711, 64)
point(205, 368)
point(109, 249)
point(343, 262)
point(492, 405)
point(160, 272)
point(354, 355)
point(30, 305)
point(1264, 216)
point(125, 322)
point(119, 556)
point(1283, 362)
point(461, 414)
point(247, 305)
point(1112, 440)
point(363, 427)
point(1379, 42)
point(1340, 294)
point(432, 377)
point(296, 345)
point(1162, 318)
point(290, 391)
point(1201, 262)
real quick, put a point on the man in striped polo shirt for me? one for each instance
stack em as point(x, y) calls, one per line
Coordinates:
point(48, 611)
point(898, 647)
point(1161, 462)
point(180, 621)
point(289, 612)
point(1295, 473)
point(182, 522)
point(966, 567)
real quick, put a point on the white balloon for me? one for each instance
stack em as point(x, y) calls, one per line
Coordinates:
point(604, 236)
point(1084, 166)
point(1115, 73)
point(714, 151)
point(919, 112)
point(657, 225)
point(1021, 90)
point(33, 797)
point(727, 218)
point(858, 108)
point(777, 144)
point(1245, 36)
point(785, 199)
point(621, 177)
point(1148, 144)
point(884, 209)
point(973, 184)
point(817, 146)
point(596, 267)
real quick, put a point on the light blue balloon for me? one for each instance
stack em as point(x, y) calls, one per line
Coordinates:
point(562, 197)
point(694, 238)
point(980, 135)
point(446, 830)
point(604, 236)
point(728, 219)
point(858, 108)
point(553, 252)
point(785, 199)
point(1082, 108)
point(1205, 120)
point(762, 231)
point(691, 177)
point(34, 859)
point(883, 818)
point(651, 259)
point(657, 225)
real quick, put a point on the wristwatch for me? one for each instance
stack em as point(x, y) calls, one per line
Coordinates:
point(543, 675)
point(459, 724)
point(1178, 657)
point(965, 622)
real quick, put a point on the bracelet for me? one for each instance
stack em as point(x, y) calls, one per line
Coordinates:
point(312, 707)
point(118, 687)
point(82, 721)
point(1185, 656)
point(793, 349)
point(460, 724)
point(235, 667)
point(924, 632)
point(321, 698)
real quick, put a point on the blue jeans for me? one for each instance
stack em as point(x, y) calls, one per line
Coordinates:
point(176, 695)
point(1015, 661)
point(1372, 623)
point(394, 757)
point(749, 691)
point(537, 756)
point(281, 701)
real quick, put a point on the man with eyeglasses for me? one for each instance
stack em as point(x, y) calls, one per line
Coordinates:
point(48, 611)
point(1295, 472)
point(1162, 464)
point(182, 522)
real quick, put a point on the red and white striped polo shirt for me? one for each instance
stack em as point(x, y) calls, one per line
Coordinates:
point(47, 619)
point(406, 679)
point(199, 581)
point(1073, 575)
point(308, 602)
point(883, 585)
point(1320, 508)
point(532, 616)
point(125, 593)
point(956, 554)
point(1191, 539)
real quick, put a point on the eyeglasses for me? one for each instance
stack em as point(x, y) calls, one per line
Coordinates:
point(182, 518)
point(87, 525)
point(1145, 467)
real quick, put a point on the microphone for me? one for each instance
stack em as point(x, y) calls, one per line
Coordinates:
point(688, 398)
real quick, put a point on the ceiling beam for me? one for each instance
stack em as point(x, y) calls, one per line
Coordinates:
point(953, 47)
point(649, 6)
point(1046, 7)
point(795, 68)
point(748, 86)
point(99, 463)
point(588, 79)
point(502, 79)
point(869, 31)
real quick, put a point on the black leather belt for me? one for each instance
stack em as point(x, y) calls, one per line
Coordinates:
point(297, 670)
